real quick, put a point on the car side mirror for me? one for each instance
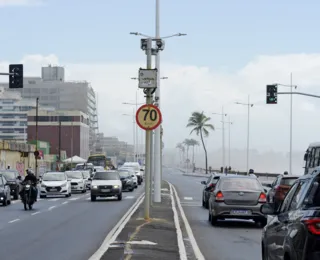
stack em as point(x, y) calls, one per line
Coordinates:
point(265, 190)
point(269, 185)
point(142, 170)
point(90, 179)
point(204, 182)
point(268, 209)
point(132, 175)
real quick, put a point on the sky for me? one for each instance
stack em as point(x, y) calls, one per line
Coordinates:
point(232, 49)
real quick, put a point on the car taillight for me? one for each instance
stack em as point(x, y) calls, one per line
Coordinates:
point(313, 225)
point(263, 198)
point(219, 197)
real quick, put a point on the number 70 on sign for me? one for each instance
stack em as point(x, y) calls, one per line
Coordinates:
point(148, 117)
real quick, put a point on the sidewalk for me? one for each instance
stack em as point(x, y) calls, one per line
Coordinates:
point(155, 239)
point(193, 174)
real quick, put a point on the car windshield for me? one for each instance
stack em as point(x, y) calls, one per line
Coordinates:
point(124, 174)
point(238, 184)
point(86, 174)
point(106, 176)
point(74, 175)
point(288, 181)
point(54, 177)
point(8, 175)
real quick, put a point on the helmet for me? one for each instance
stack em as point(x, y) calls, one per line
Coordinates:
point(251, 171)
point(285, 173)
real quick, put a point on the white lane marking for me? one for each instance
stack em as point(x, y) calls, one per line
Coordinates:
point(63, 203)
point(113, 234)
point(193, 241)
point(51, 208)
point(15, 220)
point(72, 199)
point(188, 198)
point(56, 199)
point(88, 198)
point(181, 245)
point(129, 197)
point(35, 213)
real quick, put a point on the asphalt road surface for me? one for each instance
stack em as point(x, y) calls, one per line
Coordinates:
point(230, 240)
point(60, 228)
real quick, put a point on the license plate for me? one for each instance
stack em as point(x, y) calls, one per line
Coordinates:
point(240, 212)
point(53, 190)
point(74, 188)
point(105, 190)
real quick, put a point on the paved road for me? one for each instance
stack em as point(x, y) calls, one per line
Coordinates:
point(60, 228)
point(231, 240)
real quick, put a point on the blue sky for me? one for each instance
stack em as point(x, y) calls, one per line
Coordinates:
point(221, 34)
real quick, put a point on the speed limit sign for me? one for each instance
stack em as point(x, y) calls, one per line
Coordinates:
point(148, 117)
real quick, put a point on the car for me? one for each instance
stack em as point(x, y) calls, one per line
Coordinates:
point(87, 176)
point(280, 187)
point(133, 175)
point(5, 196)
point(78, 181)
point(139, 171)
point(55, 184)
point(13, 179)
point(106, 184)
point(127, 180)
point(237, 197)
point(293, 231)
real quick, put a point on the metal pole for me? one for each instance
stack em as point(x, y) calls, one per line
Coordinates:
point(134, 137)
point(157, 137)
point(59, 141)
point(137, 131)
point(72, 143)
point(152, 166)
point(37, 119)
point(223, 144)
point(148, 139)
point(248, 134)
point(229, 155)
point(290, 155)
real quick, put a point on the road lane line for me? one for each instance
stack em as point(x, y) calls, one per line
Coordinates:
point(129, 197)
point(113, 234)
point(181, 245)
point(51, 208)
point(56, 199)
point(72, 199)
point(15, 220)
point(195, 247)
point(63, 203)
point(188, 198)
point(35, 213)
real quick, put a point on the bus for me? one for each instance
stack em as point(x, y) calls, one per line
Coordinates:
point(312, 157)
point(100, 160)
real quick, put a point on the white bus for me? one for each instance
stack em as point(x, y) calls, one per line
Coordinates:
point(312, 157)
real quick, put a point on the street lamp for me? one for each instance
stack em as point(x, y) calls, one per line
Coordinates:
point(229, 144)
point(249, 105)
point(291, 106)
point(223, 144)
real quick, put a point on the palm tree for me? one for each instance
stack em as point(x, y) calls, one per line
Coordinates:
point(181, 150)
point(193, 143)
point(199, 123)
point(187, 143)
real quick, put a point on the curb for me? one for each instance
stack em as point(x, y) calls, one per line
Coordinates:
point(196, 175)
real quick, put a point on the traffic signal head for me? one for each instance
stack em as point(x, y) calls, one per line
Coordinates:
point(272, 94)
point(16, 79)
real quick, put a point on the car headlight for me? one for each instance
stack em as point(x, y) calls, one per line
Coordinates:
point(116, 186)
point(95, 187)
point(43, 186)
point(64, 185)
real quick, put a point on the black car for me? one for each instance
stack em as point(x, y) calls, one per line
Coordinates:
point(293, 231)
point(5, 197)
point(127, 182)
point(13, 179)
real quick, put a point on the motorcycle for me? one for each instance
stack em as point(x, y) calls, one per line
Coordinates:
point(26, 196)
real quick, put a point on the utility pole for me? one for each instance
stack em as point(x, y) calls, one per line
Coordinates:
point(37, 153)
point(59, 141)
point(291, 107)
point(229, 143)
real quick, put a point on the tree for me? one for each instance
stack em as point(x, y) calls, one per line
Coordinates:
point(193, 143)
point(187, 143)
point(201, 126)
point(181, 151)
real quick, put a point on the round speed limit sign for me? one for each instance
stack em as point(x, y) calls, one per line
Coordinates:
point(148, 117)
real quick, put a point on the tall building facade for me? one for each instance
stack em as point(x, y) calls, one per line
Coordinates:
point(54, 91)
point(14, 115)
point(64, 130)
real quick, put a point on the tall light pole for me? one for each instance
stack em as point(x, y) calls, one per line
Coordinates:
point(291, 86)
point(223, 139)
point(133, 132)
point(249, 105)
point(158, 141)
point(229, 143)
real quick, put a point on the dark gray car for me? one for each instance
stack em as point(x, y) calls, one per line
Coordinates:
point(237, 197)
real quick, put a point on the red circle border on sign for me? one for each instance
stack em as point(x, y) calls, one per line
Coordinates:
point(159, 113)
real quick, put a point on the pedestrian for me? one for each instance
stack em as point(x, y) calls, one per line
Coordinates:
point(8, 167)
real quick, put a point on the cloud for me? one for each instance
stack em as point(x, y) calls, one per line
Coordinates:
point(190, 87)
point(19, 2)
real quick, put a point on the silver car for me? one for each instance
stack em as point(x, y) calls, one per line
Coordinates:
point(237, 197)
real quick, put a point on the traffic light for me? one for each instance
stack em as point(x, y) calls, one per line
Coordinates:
point(272, 94)
point(16, 79)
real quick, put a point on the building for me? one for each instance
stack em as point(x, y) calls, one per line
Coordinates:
point(64, 130)
point(13, 115)
point(113, 147)
point(54, 91)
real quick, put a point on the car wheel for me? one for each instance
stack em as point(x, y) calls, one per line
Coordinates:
point(262, 222)
point(209, 218)
point(207, 204)
point(93, 198)
point(5, 202)
point(131, 189)
point(120, 196)
point(69, 195)
point(16, 195)
point(84, 191)
point(42, 196)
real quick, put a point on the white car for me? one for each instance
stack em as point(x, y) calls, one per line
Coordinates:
point(139, 170)
point(86, 174)
point(55, 183)
point(132, 173)
point(106, 184)
point(78, 181)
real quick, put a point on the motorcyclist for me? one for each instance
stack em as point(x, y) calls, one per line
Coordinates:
point(285, 173)
point(33, 179)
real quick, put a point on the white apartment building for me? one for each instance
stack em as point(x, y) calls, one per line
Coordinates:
point(14, 116)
